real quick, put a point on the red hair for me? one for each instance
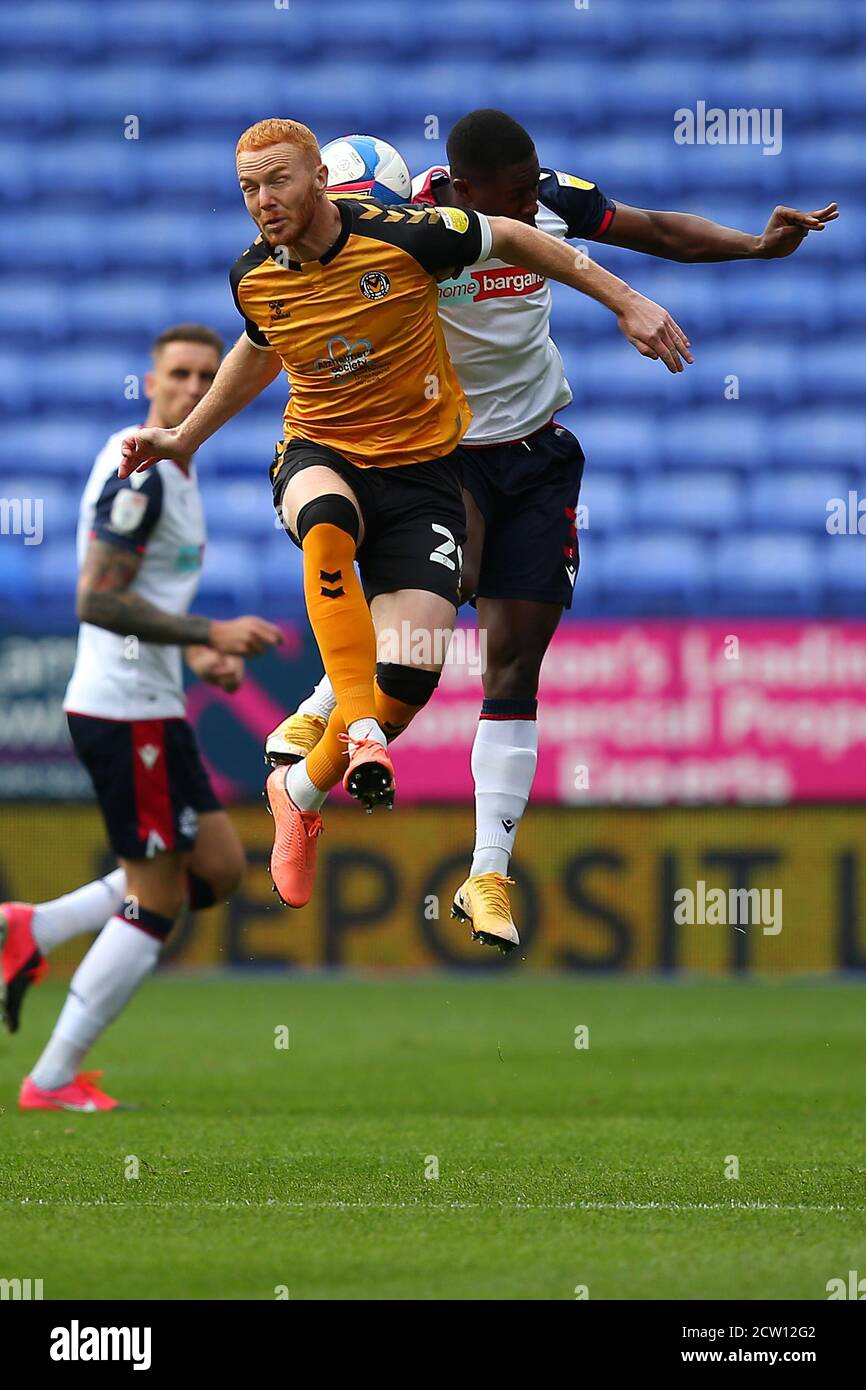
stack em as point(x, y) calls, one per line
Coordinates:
point(275, 131)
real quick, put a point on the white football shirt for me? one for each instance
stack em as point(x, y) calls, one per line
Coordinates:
point(496, 317)
point(159, 515)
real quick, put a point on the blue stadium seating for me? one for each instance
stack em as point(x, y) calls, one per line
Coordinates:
point(697, 503)
point(766, 571)
point(644, 573)
point(691, 501)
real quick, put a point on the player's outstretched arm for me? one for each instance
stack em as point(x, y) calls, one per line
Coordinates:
point(648, 326)
point(680, 236)
point(106, 599)
point(243, 374)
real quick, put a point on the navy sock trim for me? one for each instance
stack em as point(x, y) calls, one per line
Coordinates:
point(151, 923)
point(509, 709)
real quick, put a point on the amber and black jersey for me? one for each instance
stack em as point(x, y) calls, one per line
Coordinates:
point(358, 331)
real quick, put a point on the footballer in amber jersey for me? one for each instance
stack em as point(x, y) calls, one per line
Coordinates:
point(358, 331)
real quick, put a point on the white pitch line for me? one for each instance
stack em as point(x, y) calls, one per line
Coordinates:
point(429, 1207)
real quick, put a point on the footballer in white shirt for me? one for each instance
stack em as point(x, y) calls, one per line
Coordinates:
point(140, 547)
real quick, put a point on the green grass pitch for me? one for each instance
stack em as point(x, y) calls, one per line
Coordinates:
point(310, 1168)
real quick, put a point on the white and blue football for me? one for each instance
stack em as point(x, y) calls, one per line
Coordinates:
point(365, 164)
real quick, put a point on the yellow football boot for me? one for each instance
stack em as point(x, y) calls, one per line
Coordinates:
point(482, 901)
point(294, 739)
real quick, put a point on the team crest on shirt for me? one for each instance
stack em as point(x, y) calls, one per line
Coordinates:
point(127, 510)
point(374, 284)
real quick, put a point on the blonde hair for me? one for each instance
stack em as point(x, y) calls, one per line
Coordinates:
point(275, 131)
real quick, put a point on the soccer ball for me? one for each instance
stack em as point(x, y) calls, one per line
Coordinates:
point(365, 164)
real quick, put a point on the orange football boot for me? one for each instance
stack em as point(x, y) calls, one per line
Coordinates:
point(293, 857)
point(370, 774)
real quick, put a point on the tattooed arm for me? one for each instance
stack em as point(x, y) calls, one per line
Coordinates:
point(106, 599)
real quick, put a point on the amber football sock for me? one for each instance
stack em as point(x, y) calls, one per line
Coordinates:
point(393, 715)
point(340, 619)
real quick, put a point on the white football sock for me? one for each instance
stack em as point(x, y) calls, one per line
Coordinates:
point(322, 702)
point(83, 910)
point(114, 967)
point(366, 728)
point(302, 789)
point(504, 757)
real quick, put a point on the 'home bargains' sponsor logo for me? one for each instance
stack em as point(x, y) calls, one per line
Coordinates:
point(475, 285)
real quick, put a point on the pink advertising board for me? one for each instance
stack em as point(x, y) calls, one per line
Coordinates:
point(661, 712)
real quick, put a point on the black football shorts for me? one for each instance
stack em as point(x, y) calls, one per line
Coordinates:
point(414, 517)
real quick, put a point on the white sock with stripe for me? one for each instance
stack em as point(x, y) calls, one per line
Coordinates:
point(504, 758)
point(83, 910)
point(121, 957)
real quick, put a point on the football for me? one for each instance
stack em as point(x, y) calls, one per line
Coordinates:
point(365, 164)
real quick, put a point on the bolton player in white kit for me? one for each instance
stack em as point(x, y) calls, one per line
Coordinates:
point(140, 548)
point(522, 470)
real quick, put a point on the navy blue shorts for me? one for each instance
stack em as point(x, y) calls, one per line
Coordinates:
point(149, 780)
point(527, 493)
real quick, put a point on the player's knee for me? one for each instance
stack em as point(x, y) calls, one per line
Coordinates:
point(402, 691)
point(217, 878)
point(331, 510)
point(411, 685)
point(228, 878)
point(165, 900)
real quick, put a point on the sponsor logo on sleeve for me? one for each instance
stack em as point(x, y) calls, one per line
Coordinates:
point(572, 181)
point(455, 219)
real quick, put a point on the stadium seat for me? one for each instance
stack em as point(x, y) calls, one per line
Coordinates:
point(613, 441)
point(33, 98)
point(766, 573)
point(62, 447)
point(664, 572)
point(703, 502)
point(58, 501)
point(811, 437)
point(731, 436)
point(608, 499)
point(244, 446)
point(55, 573)
point(283, 571)
point(97, 377)
point(94, 167)
point(844, 563)
point(239, 509)
point(133, 309)
point(198, 168)
point(231, 574)
point(37, 312)
point(796, 501)
point(17, 581)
